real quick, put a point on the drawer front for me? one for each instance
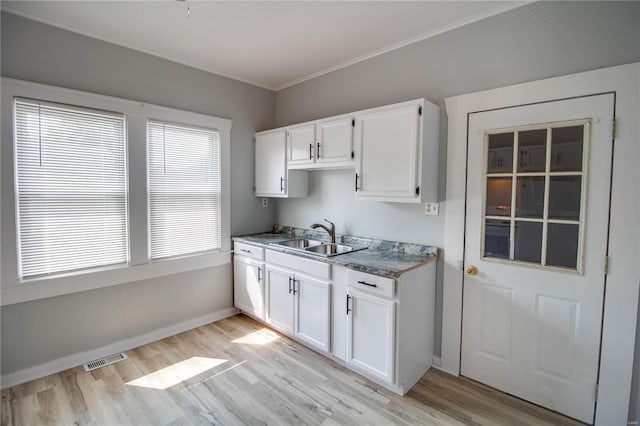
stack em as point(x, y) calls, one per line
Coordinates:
point(371, 283)
point(242, 249)
point(300, 264)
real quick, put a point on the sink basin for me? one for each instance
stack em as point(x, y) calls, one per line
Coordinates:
point(332, 249)
point(300, 243)
point(317, 247)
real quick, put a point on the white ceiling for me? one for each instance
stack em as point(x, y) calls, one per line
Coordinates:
point(272, 44)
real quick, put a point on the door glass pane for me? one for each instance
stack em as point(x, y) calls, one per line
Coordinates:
point(534, 178)
point(564, 197)
point(499, 196)
point(532, 150)
point(530, 196)
point(566, 149)
point(496, 238)
point(528, 241)
point(562, 245)
point(500, 157)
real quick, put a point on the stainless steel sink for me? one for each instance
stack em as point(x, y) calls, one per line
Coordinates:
point(332, 249)
point(299, 243)
point(317, 247)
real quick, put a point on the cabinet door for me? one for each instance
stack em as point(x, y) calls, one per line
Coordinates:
point(335, 140)
point(270, 164)
point(387, 143)
point(302, 144)
point(248, 286)
point(371, 335)
point(312, 312)
point(280, 303)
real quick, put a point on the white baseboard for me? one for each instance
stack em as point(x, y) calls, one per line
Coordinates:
point(74, 360)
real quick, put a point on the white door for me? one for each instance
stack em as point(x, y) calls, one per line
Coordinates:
point(387, 143)
point(271, 163)
point(371, 334)
point(535, 245)
point(302, 144)
point(335, 140)
point(312, 311)
point(248, 291)
point(279, 300)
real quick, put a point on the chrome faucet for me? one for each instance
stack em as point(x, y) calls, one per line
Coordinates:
point(331, 231)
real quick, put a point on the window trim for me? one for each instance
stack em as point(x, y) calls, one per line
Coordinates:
point(12, 290)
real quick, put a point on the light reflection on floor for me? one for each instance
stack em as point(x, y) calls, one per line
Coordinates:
point(261, 337)
point(176, 373)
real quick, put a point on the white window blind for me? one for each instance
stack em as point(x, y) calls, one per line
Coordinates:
point(184, 189)
point(71, 188)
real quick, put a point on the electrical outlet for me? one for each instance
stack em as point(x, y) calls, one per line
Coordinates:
point(431, 208)
point(265, 202)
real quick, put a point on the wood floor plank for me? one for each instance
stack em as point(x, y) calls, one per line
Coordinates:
point(252, 375)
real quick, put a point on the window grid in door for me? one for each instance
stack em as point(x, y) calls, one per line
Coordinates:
point(534, 195)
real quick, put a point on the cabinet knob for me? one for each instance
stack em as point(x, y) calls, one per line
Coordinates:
point(472, 270)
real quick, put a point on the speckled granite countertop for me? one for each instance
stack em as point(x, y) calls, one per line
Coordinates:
point(385, 258)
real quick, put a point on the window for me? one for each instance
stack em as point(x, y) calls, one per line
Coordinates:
point(535, 192)
point(184, 189)
point(71, 188)
point(87, 207)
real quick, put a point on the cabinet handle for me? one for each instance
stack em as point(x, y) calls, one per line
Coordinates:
point(318, 150)
point(259, 274)
point(294, 285)
point(348, 310)
point(245, 251)
point(357, 183)
point(310, 151)
point(366, 283)
point(290, 285)
point(281, 184)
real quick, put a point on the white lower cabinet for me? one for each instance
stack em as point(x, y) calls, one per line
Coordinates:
point(383, 328)
point(299, 304)
point(390, 326)
point(248, 279)
point(312, 311)
point(280, 301)
point(248, 289)
point(371, 334)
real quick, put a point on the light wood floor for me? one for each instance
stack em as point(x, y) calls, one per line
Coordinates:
point(249, 374)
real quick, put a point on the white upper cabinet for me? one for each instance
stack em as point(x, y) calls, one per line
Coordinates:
point(394, 150)
point(324, 144)
point(273, 179)
point(397, 153)
point(335, 142)
point(302, 144)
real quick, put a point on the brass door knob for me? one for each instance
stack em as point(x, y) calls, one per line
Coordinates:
point(472, 270)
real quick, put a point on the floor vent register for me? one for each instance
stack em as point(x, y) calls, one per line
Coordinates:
point(103, 362)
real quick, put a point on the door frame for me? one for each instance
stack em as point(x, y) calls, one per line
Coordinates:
point(622, 284)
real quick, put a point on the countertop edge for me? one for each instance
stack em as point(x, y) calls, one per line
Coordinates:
point(387, 273)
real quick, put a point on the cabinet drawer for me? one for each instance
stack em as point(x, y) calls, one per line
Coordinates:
point(301, 264)
point(371, 283)
point(248, 250)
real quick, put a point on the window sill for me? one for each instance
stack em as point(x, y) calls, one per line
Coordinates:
point(42, 288)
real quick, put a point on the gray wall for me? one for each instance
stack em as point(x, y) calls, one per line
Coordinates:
point(533, 42)
point(44, 330)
